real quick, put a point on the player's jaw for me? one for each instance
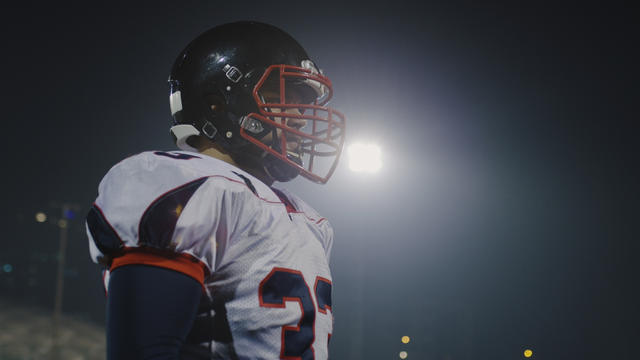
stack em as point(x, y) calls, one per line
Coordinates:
point(293, 140)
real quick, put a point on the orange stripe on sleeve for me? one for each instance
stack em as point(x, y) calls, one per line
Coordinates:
point(183, 263)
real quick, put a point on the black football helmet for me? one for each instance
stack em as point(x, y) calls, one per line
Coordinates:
point(251, 88)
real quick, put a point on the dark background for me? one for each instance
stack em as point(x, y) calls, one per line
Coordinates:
point(504, 218)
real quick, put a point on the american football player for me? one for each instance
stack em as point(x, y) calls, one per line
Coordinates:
point(204, 258)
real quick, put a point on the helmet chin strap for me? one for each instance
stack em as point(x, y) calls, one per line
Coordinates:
point(279, 170)
point(276, 168)
point(273, 167)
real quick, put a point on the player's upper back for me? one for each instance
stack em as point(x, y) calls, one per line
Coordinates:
point(144, 199)
point(226, 229)
point(152, 172)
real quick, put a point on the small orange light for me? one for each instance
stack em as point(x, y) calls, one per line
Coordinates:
point(178, 210)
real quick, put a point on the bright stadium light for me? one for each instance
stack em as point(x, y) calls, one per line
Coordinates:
point(364, 157)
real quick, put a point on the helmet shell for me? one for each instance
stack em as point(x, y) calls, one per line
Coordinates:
point(223, 65)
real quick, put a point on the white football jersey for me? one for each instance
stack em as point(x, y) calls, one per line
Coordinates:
point(261, 254)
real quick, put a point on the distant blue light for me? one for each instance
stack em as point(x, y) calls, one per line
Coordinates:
point(7, 268)
point(69, 214)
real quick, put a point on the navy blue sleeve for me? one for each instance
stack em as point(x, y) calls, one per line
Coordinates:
point(150, 310)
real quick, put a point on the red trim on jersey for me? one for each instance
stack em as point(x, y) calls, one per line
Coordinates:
point(285, 200)
point(273, 202)
point(308, 217)
point(182, 263)
point(290, 208)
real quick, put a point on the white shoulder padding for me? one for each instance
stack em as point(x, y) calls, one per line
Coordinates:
point(175, 102)
point(181, 133)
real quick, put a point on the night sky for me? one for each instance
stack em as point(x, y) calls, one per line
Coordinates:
point(504, 218)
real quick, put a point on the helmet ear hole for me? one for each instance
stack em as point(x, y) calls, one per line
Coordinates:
point(209, 130)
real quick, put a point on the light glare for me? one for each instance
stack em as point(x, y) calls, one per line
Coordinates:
point(403, 354)
point(41, 217)
point(364, 157)
point(62, 223)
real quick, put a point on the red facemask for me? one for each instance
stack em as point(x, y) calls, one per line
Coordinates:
point(309, 135)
